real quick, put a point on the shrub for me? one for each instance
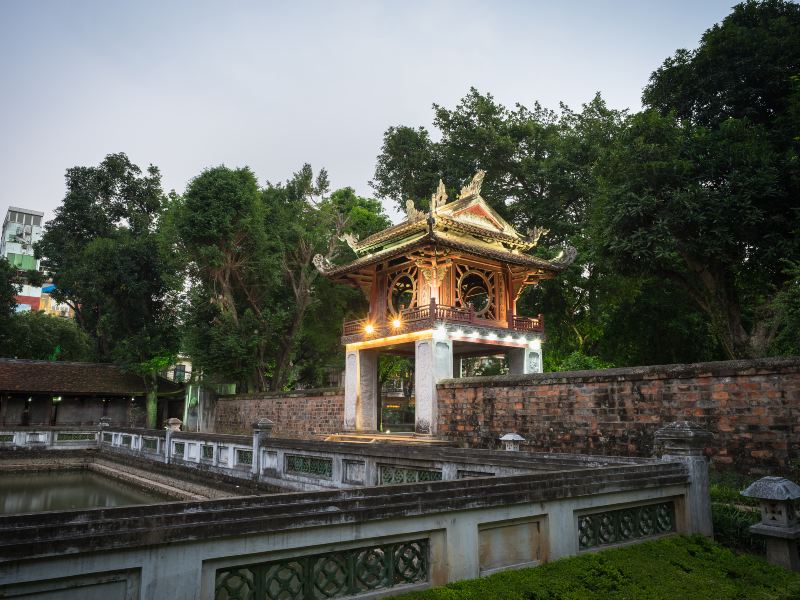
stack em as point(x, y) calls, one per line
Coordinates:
point(676, 567)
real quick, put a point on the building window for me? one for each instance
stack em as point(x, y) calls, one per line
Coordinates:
point(402, 292)
point(476, 290)
point(180, 373)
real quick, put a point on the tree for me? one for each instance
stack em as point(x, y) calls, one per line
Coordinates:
point(8, 290)
point(234, 305)
point(259, 312)
point(541, 172)
point(319, 349)
point(105, 254)
point(310, 224)
point(37, 336)
point(701, 188)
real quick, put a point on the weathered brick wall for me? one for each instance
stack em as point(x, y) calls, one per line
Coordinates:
point(296, 414)
point(752, 407)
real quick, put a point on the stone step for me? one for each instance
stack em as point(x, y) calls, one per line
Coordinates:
point(389, 438)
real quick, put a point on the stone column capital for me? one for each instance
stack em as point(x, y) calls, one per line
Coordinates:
point(683, 438)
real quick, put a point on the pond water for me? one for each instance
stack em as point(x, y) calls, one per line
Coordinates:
point(66, 490)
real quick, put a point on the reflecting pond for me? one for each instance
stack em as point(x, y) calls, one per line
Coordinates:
point(64, 490)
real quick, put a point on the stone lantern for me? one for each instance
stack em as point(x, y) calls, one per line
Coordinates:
point(511, 441)
point(778, 519)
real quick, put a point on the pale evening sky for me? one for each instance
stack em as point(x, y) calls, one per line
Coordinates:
point(191, 84)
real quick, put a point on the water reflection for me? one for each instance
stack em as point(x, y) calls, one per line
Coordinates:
point(65, 490)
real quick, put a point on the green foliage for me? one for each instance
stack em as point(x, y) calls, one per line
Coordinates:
point(37, 336)
point(701, 188)
point(731, 528)
point(542, 171)
point(726, 486)
point(233, 308)
point(8, 289)
point(786, 313)
point(258, 311)
point(110, 264)
point(675, 567)
point(577, 361)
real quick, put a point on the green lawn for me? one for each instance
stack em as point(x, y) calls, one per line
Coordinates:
point(682, 568)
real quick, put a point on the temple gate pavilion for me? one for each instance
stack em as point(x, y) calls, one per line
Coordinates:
point(442, 286)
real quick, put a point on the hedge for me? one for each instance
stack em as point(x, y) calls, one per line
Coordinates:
point(686, 568)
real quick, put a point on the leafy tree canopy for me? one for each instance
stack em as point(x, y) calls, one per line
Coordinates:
point(258, 312)
point(37, 336)
point(701, 189)
point(111, 265)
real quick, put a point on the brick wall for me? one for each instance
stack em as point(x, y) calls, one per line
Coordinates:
point(296, 414)
point(752, 407)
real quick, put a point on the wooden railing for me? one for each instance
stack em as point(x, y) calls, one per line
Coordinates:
point(354, 327)
point(412, 319)
point(529, 323)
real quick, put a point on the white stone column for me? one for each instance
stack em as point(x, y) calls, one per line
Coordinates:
point(351, 384)
point(685, 442)
point(433, 362)
point(361, 390)
point(522, 361)
point(367, 404)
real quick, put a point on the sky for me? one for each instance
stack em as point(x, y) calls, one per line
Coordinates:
point(187, 85)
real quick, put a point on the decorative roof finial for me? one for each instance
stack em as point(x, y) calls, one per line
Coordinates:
point(438, 199)
point(322, 264)
point(537, 232)
point(351, 240)
point(473, 188)
point(412, 214)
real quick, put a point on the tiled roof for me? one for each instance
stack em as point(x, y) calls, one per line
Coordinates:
point(514, 258)
point(40, 376)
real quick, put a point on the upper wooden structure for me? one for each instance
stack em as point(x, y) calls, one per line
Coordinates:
point(460, 261)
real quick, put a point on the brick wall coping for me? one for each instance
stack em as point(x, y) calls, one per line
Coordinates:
point(724, 368)
point(72, 532)
point(290, 394)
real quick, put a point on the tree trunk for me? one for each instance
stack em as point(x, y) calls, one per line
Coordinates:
point(151, 386)
point(282, 364)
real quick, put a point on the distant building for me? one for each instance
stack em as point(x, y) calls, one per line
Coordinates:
point(53, 308)
point(38, 392)
point(22, 228)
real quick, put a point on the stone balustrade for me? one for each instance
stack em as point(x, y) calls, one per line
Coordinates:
point(370, 519)
point(51, 438)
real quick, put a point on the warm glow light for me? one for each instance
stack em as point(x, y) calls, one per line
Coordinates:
point(369, 328)
point(396, 323)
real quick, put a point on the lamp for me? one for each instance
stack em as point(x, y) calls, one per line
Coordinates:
point(368, 328)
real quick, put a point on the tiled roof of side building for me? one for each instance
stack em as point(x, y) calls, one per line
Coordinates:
point(73, 378)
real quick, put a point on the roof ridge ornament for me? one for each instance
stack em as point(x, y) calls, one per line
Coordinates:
point(322, 264)
point(473, 188)
point(351, 240)
point(438, 199)
point(536, 232)
point(412, 214)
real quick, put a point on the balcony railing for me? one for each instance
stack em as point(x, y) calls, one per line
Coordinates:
point(528, 323)
point(422, 317)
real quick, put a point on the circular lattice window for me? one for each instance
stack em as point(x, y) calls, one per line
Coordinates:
point(476, 292)
point(402, 293)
